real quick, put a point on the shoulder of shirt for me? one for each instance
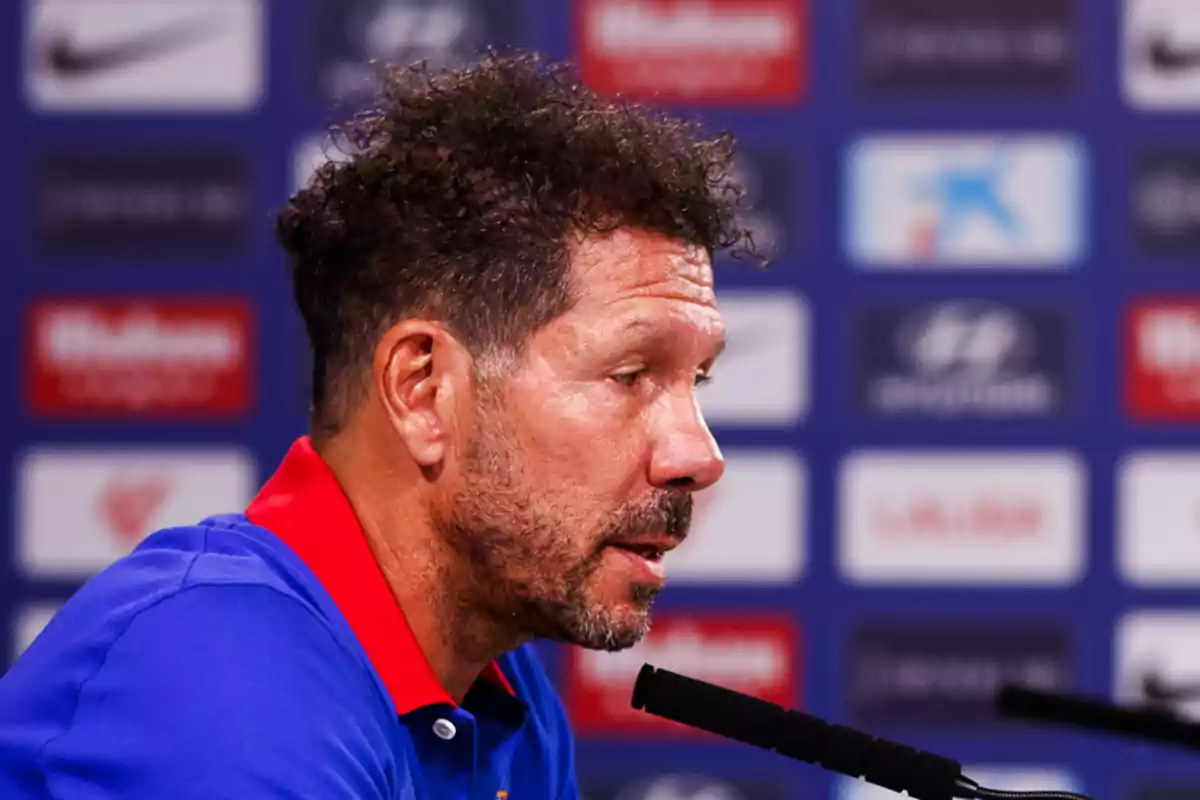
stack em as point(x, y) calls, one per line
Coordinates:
point(230, 551)
point(221, 551)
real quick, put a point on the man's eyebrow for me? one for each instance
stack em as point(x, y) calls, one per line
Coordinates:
point(655, 334)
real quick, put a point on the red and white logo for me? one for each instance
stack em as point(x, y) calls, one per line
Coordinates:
point(164, 358)
point(1162, 376)
point(129, 502)
point(694, 51)
point(754, 654)
point(1005, 518)
point(116, 498)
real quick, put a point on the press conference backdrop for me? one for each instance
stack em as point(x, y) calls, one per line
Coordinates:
point(959, 411)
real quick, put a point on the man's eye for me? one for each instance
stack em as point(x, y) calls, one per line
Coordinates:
point(702, 378)
point(629, 378)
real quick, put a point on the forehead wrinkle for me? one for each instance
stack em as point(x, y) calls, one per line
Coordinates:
point(611, 254)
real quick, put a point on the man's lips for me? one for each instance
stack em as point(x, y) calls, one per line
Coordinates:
point(651, 546)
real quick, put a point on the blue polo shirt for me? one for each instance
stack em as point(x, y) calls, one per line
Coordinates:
point(262, 655)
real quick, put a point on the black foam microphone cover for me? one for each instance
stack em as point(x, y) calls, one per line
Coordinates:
point(708, 707)
point(748, 719)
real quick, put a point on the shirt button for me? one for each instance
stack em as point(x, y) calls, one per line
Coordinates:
point(444, 729)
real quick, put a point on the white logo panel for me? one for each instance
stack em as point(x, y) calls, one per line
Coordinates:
point(1161, 54)
point(117, 497)
point(956, 519)
point(965, 202)
point(1158, 519)
point(164, 55)
point(762, 377)
point(750, 526)
point(1157, 660)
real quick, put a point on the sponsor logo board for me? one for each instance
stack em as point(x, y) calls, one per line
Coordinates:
point(1158, 519)
point(752, 653)
point(164, 358)
point(965, 202)
point(946, 675)
point(1162, 359)
point(118, 497)
point(143, 204)
point(1157, 660)
point(964, 358)
point(762, 377)
point(749, 527)
point(1002, 518)
point(351, 37)
point(148, 55)
point(729, 52)
point(968, 46)
point(1161, 51)
point(1165, 203)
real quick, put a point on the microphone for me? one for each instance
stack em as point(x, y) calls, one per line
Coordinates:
point(1148, 722)
point(754, 721)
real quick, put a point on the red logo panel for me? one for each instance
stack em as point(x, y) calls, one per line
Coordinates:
point(732, 52)
point(1162, 375)
point(754, 654)
point(162, 358)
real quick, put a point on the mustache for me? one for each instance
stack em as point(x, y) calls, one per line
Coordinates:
point(669, 512)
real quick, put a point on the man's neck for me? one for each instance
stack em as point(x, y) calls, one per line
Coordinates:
point(456, 640)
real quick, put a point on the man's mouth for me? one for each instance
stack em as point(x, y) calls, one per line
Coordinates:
point(650, 547)
point(647, 552)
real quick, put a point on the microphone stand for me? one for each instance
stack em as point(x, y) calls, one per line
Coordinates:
point(1150, 722)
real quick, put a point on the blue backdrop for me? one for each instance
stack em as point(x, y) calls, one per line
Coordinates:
point(1067, 358)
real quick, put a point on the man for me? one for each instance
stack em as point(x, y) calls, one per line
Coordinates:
point(510, 300)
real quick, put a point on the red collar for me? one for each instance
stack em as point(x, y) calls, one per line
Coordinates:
point(304, 505)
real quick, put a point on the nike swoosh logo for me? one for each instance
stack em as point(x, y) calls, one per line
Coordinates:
point(1156, 690)
point(67, 58)
point(1166, 56)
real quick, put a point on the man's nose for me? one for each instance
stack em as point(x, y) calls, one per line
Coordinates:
point(686, 455)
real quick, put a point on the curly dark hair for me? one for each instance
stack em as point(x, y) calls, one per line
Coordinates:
point(456, 196)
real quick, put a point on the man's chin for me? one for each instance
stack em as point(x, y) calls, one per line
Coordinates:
point(612, 640)
point(599, 616)
point(612, 628)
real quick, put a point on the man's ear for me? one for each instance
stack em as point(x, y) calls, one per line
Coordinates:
point(422, 373)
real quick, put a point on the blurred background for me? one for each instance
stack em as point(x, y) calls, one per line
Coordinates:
point(960, 410)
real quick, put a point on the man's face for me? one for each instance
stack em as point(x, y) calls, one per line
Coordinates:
point(580, 468)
